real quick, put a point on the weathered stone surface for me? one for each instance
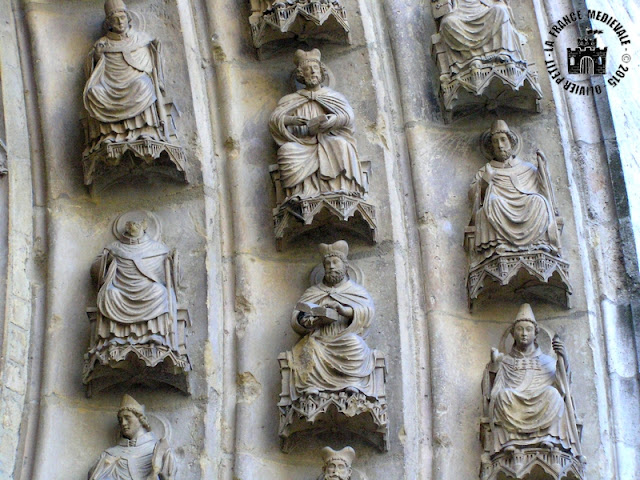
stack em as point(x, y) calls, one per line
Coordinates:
point(242, 290)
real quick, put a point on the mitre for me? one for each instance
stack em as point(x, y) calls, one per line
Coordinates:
point(338, 249)
point(301, 57)
point(113, 6)
point(347, 454)
point(525, 313)
point(500, 126)
point(129, 403)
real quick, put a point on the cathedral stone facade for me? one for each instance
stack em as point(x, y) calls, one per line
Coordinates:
point(318, 239)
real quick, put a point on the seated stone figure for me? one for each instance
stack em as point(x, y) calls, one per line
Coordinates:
point(314, 128)
point(332, 370)
point(478, 31)
point(481, 58)
point(515, 222)
point(337, 464)
point(529, 404)
point(137, 315)
point(332, 355)
point(513, 208)
point(139, 455)
point(124, 96)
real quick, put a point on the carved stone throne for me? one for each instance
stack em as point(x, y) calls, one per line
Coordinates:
point(478, 84)
point(276, 20)
point(530, 463)
point(114, 162)
point(328, 411)
point(294, 217)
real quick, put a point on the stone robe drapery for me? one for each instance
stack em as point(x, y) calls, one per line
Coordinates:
point(477, 31)
point(122, 91)
point(527, 406)
point(134, 303)
point(335, 356)
point(513, 211)
point(129, 460)
point(314, 164)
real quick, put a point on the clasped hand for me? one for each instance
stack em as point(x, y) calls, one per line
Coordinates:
point(558, 347)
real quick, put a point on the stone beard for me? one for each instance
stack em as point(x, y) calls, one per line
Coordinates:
point(134, 301)
point(477, 31)
point(325, 162)
point(514, 211)
point(121, 94)
point(334, 357)
point(526, 406)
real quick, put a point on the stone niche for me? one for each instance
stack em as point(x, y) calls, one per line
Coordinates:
point(276, 20)
point(481, 68)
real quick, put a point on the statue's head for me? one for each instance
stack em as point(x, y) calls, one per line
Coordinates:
point(310, 69)
point(334, 261)
point(117, 15)
point(524, 329)
point(503, 141)
point(135, 228)
point(132, 419)
point(337, 465)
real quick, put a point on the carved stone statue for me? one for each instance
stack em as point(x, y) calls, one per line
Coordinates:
point(515, 223)
point(273, 20)
point(125, 100)
point(317, 158)
point(139, 455)
point(137, 322)
point(337, 464)
point(480, 53)
point(332, 365)
point(530, 414)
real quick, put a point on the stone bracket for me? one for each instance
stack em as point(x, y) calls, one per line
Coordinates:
point(533, 464)
point(284, 21)
point(296, 216)
point(114, 162)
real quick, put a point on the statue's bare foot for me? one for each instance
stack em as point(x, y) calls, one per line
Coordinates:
point(351, 390)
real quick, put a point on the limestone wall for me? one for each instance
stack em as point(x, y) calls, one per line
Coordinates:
point(240, 291)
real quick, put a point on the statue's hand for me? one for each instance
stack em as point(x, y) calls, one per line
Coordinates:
point(488, 174)
point(495, 355)
point(295, 121)
point(99, 50)
point(559, 348)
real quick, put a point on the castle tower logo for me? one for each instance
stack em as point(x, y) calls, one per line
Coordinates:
point(587, 59)
point(588, 68)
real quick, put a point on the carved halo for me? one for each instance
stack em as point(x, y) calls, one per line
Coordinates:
point(353, 271)
point(487, 149)
point(154, 228)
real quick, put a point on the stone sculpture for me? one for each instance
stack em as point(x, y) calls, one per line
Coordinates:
point(139, 455)
point(280, 19)
point(480, 56)
point(530, 423)
point(337, 464)
point(331, 371)
point(318, 168)
point(137, 329)
point(130, 126)
point(515, 226)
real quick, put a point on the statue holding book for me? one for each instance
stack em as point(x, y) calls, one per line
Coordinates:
point(332, 370)
point(332, 316)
